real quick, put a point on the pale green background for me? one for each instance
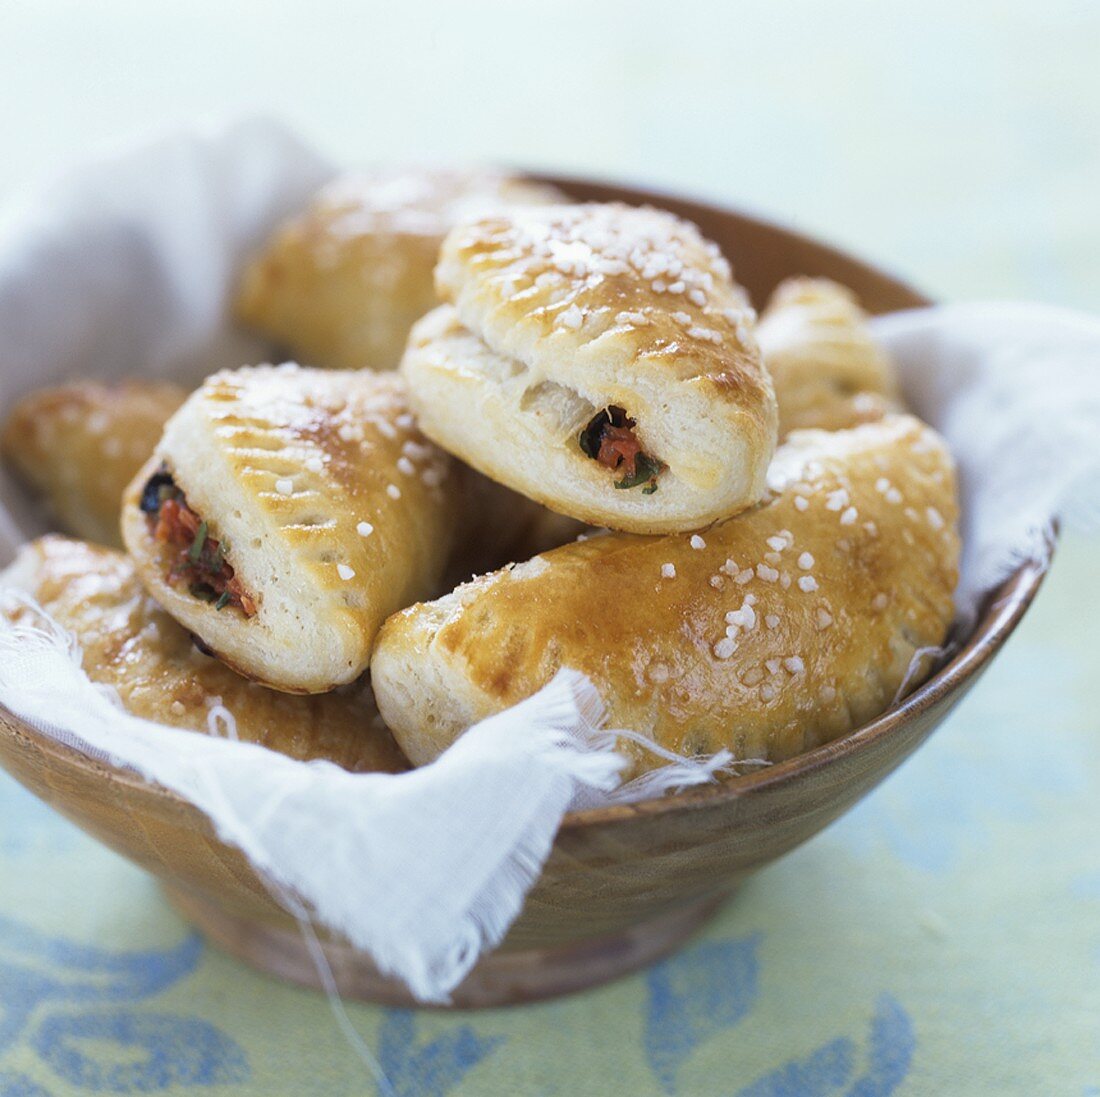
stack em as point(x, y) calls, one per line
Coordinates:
point(958, 143)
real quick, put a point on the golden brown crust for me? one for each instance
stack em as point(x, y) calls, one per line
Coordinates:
point(768, 634)
point(79, 445)
point(131, 645)
point(829, 372)
point(658, 294)
point(334, 509)
point(340, 285)
point(556, 313)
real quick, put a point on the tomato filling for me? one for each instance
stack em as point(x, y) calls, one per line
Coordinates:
point(609, 439)
point(199, 559)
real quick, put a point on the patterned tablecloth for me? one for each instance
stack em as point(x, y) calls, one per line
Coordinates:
point(941, 939)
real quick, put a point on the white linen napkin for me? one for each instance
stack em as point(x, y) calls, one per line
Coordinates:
point(126, 268)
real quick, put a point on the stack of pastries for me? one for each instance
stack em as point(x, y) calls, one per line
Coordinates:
point(731, 526)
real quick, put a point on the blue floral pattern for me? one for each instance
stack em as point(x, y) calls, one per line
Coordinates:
point(431, 1069)
point(710, 987)
point(103, 1045)
point(694, 995)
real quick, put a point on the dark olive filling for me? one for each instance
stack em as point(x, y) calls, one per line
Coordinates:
point(609, 439)
point(200, 559)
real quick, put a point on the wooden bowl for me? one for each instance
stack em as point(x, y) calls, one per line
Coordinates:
point(623, 885)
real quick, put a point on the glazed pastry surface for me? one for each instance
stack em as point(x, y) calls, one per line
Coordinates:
point(323, 511)
point(79, 445)
point(131, 645)
point(767, 634)
point(600, 360)
point(828, 371)
point(340, 285)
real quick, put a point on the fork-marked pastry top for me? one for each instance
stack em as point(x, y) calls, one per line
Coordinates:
point(599, 359)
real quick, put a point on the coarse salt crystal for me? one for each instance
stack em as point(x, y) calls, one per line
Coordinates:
point(744, 576)
point(849, 516)
point(284, 487)
point(794, 664)
point(836, 500)
point(668, 571)
point(406, 466)
point(772, 621)
point(769, 575)
point(801, 502)
point(697, 542)
point(824, 619)
point(725, 648)
point(935, 519)
point(745, 617)
point(707, 334)
point(364, 529)
point(777, 544)
point(807, 583)
point(345, 572)
point(806, 561)
point(879, 601)
point(572, 317)
point(393, 491)
point(893, 496)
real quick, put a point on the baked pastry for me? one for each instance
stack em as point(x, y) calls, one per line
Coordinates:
point(285, 514)
point(131, 645)
point(600, 360)
point(827, 369)
point(768, 634)
point(79, 445)
point(340, 285)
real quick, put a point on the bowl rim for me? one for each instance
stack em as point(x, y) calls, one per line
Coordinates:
point(995, 620)
point(998, 618)
point(693, 206)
